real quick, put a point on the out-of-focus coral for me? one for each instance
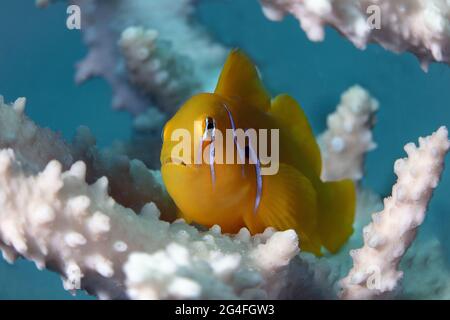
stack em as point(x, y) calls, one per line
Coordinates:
point(421, 27)
point(150, 122)
point(349, 135)
point(375, 271)
point(426, 274)
point(43, 3)
point(101, 29)
point(143, 71)
point(156, 68)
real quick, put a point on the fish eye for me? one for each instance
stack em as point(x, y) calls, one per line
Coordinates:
point(210, 123)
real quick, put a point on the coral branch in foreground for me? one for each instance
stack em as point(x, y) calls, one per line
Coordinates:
point(349, 136)
point(132, 184)
point(375, 271)
point(33, 145)
point(418, 26)
point(79, 231)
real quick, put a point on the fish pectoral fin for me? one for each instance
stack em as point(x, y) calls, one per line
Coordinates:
point(288, 201)
point(240, 81)
point(291, 116)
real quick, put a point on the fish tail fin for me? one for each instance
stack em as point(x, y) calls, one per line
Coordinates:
point(337, 202)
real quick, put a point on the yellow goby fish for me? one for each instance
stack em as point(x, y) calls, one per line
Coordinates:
point(236, 195)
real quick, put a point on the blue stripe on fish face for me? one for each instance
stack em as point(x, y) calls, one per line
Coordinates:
point(255, 159)
point(210, 133)
point(212, 153)
point(241, 151)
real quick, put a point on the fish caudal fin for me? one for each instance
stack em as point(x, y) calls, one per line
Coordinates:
point(288, 201)
point(240, 81)
point(337, 201)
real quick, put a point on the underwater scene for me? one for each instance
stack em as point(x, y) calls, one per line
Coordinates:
point(224, 149)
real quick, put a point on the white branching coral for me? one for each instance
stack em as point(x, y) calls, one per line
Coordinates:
point(79, 231)
point(132, 184)
point(375, 271)
point(148, 72)
point(153, 66)
point(419, 26)
point(176, 272)
point(19, 132)
point(102, 224)
point(349, 135)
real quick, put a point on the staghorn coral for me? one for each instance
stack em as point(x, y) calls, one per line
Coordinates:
point(421, 27)
point(375, 271)
point(348, 136)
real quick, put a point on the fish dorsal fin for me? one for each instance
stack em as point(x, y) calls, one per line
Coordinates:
point(240, 81)
point(289, 201)
point(290, 115)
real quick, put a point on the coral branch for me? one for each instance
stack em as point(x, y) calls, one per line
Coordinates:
point(19, 132)
point(183, 58)
point(131, 183)
point(60, 222)
point(349, 136)
point(107, 236)
point(419, 26)
point(375, 266)
point(79, 231)
point(154, 67)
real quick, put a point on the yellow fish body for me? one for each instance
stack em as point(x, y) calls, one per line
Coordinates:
point(236, 195)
